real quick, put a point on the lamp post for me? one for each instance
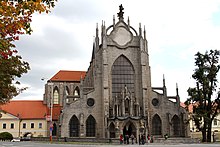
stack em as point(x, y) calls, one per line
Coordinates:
point(51, 107)
point(51, 111)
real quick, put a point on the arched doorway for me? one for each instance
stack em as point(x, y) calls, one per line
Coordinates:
point(129, 129)
point(54, 131)
point(176, 125)
point(112, 130)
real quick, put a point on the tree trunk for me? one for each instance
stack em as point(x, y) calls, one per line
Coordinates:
point(203, 135)
point(209, 132)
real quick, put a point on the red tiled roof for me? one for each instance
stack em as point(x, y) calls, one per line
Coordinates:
point(25, 109)
point(190, 107)
point(65, 75)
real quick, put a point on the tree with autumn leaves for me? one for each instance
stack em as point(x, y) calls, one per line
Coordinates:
point(15, 20)
point(205, 97)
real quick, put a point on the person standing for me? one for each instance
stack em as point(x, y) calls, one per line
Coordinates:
point(121, 139)
point(132, 138)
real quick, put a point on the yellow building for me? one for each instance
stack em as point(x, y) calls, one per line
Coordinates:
point(24, 118)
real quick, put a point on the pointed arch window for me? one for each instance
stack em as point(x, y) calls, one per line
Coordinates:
point(156, 125)
point(76, 92)
point(66, 94)
point(122, 74)
point(74, 127)
point(176, 125)
point(90, 126)
point(56, 96)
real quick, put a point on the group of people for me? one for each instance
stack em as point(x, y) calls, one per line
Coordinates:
point(142, 139)
point(126, 138)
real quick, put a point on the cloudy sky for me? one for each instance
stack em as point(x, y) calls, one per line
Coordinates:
point(175, 30)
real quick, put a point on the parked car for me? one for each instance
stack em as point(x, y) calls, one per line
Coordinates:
point(28, 138)
point(16, 140)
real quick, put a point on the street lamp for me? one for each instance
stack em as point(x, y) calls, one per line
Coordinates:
point(51, 111)
point(51, 107)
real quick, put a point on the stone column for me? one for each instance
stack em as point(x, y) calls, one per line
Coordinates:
point(131, 108)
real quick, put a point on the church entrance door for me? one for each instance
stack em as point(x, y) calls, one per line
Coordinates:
point(129, 129)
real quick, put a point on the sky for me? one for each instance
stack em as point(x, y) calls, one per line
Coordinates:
point(175, 30)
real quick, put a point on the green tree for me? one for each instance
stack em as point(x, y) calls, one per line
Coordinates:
point(204, 96)
point(15, 18)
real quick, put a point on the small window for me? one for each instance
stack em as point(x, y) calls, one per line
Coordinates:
point(40, 125)
point(90, 102)
point(4, 126)
point(155, 102)
point(32, 125)
point(24, 125)
point(12, 125)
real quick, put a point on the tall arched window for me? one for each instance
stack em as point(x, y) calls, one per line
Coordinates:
point(66, 94)
point(56, 96)
point(90, 126)
point(176, 125)
point(74, 127)
point(122, 74)
point(156, 125)
point(76, 92)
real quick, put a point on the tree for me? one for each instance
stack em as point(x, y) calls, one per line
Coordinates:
point(15, 18)
point(203, 97)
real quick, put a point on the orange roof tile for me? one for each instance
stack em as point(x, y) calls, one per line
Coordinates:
point(190, 107)
point(65, 75)
point(25, 109)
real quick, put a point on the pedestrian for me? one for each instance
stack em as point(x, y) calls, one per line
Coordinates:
point(121, 139)
point(127, 138)
point(132, 138)
point(148, 138)
point(139, 139)
point(142, 139)
point(213, 135)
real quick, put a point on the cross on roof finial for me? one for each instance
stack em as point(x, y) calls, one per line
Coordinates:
point(120, 14)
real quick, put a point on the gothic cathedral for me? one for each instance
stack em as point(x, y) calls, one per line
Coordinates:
point(114, 96)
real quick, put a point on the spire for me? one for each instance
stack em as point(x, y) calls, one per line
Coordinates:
point(128, 23)
point(140, 30)
point(96, 46)
point(121, 13)
point(164, 86)
point(177, 90)
point(97, 30)
point(144, 33)
point(113, 20)
point(177, 95)
point(164, 81)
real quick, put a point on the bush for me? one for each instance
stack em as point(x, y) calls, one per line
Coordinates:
point(6, 136)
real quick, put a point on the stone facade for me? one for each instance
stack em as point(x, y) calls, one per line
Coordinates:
point(115, 96)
